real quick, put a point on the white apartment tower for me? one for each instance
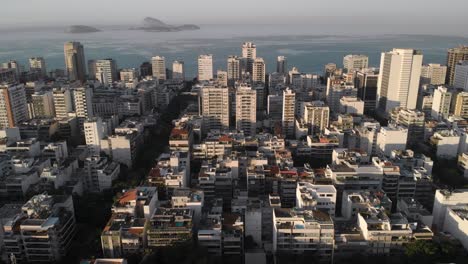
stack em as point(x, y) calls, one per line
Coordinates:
point(355, 62)
point(37, 65)
point(13, 106)
point(178, 70)
point(289, 109)
point(246, 110)
point(42, 105)
point(75, 61)
point(214, 107)
point(441, 103)
point(316, 114)
point(434, 74)
point(258, 71)
point(94, 132)
point(105, 71)
point(158, 64)
point(249, 50)
point(205, 67)
point(83, 98)
point(400, 73)
point(281, 65)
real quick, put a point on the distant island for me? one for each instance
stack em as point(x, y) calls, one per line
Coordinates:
point(81, 29)
point(156, 25)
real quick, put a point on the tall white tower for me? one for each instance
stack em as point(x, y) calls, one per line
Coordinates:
point(205, 67)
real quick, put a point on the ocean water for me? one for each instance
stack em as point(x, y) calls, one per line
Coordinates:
point(305, 47)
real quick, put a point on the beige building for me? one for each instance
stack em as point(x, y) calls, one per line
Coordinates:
point(259, 70)
point(205, 67)
point(233, 69)
point(214, 107)
point(289, 111)
point(62, 102)
point(355, 62)
point(317, 115)
point(434, 74)
point(178, 70)
point(37, 65)
point(461, 105)
point(246, 110)
point(13, 106)
point(158, 64)
point(441, 103)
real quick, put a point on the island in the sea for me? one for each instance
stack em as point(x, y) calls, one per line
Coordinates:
point(156, 25)
point(81, 29)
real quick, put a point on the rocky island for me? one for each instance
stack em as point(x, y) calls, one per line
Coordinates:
point(75, 29)
point(156, 25)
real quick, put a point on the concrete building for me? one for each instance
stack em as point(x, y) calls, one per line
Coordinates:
point(42, 231)
point(434, 74)
point(454, 56)
point(94, 132)
point(105, 71)
point(63, 103)
point(8, 75)
point(233, 70)
point(366, 82)
point(317, 115)
point(282, 65)
point(391, 138)
point(99, 173)
point(456, 223)
point(75, 61)
point(13, 106)
point(446, 143)
point(246, 110)
point(441, 103)
point(313, 232)
point(37, 66)
point(83, 102)
point(316, 197)
point(412, 120)
point(129, 75)
point(460, 79)
point(400, 73)
point(214, 107)
point(461, 105)
point(443, 200)
point(258, 70)
point(205, 67)
point(170, 226)
point(351, 105)
point(336, 89)
point(249, 50)
point(289, 111)
point(42, 105)
point(158, 65)
point(355, 62)
point(178, 70)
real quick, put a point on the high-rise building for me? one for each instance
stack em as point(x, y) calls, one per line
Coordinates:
point(336, 89)
point(249, 54)
point(233, 70)
point(63, 103)
point(461, 75)
point(42, 105)
point(441, 103)
point(289, 111)
point(75, 61)
point(281, 65)
point(12, 64)
point(8, 75)
point(146, 69)
point(400, 73)
point(355, 62)
point(178, 70)
point(434, 74)
point(92, 69)
point(258, 71)
point(246, 110)
point(316, 114)
point(13, 106)
point(330, 70)
point(366, 83)
point(83, 97)
point(106, 71)
point(461, 105)
point(391, 138)
point(454, 56)
point(94, 132)
point(214, 107)
point(222, 78)
point(158, 65)
point(205, 67)
point(37, 66)
point(275, 107)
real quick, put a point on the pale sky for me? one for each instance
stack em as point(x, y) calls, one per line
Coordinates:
point(346, 12)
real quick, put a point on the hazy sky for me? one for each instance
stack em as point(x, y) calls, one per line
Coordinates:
point(346, 12)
